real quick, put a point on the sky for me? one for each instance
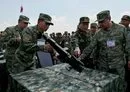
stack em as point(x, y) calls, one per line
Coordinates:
point(65, 13)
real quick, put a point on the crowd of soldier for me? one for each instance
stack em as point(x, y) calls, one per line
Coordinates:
point(105, 46)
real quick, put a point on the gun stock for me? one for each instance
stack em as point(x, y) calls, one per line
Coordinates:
point(65, 56)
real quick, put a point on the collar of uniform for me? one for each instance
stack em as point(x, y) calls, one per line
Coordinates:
point(38, 30)
point(17, 28)
point(111, 28)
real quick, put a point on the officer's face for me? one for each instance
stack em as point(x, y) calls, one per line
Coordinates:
point(43, 25)
point(93, 29)
point(84, 26)
point(104, 24)
point(23, 24)
point(125, 22)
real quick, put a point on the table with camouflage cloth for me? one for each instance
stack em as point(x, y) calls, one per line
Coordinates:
point(59, 79)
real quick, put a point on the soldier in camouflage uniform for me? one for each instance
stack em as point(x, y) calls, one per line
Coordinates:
point(58, 38)
point(125, 20)
point(111, 43)
point(93, 28)
point(66, 41)
point(93, 56)
point(29, 43)
point(82, 38)
point(52, 35)
point(11, 39)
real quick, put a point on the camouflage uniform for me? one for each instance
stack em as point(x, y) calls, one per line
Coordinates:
point(111, 48)
point(93, 56)
point(81, 38)
point(9, 39)
point(95, 26)
point(26, 52)
point(66, 42)
point(58, 38)
point(125, 20)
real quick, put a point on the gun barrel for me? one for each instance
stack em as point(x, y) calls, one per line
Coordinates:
point(65, 56)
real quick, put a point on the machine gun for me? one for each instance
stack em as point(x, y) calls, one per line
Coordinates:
point(65, 56)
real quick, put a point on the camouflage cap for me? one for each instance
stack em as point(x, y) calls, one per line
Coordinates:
point(103, 15)
point(84, 19)
point(46, 18)
point(125, 17)
point(93, 25)
point(24, 18)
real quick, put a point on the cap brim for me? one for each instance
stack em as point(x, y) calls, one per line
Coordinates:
point(99, 20)
point(26, 21)
point(84, 21)
point(49, 22)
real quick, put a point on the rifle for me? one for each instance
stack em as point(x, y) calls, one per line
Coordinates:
point(65, 56)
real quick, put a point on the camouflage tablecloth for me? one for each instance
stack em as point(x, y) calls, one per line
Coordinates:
point(59, 79)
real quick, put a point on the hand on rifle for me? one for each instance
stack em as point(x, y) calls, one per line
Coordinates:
point(77, 52)
point(48, 48)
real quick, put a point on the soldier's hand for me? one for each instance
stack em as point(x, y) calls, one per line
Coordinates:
point(77, 52)
point(129, 65)
point(18, 39)
point(48, 47)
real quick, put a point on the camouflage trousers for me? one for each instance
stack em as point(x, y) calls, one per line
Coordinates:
point(121, 85)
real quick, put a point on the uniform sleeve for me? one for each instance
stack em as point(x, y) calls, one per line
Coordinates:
point(8, 38)
point(28, 43)
point(88, 50)
point(127, 46)
point(5, 37)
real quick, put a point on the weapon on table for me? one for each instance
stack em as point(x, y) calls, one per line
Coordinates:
point(64, 55)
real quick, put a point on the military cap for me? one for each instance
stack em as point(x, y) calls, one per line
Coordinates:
point(126, 17)
point(103, 15)
point(84, 19)
point(93, 25)
point(46, 18)
point(24, 18)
